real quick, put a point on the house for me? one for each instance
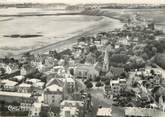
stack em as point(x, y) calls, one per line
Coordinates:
point(35, 110)
point(9, 85)
point(104, 112)
point(39, 65)
point(124, 41)
point(70, 108)
point(122, 83)
point(58, 81)
point(70, 84)
point(27, 69)
point(69, 112)
point(72, 103)
point(53, 95)
point(18, 78)
point(33, 80)
point(50, 61)
point(86, 71)
point(24, 88)
point(71, 62)
point(38, 87)
point(24, 99)
point(115, 87)
point(11, 68)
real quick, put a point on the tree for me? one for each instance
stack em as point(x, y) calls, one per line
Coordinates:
point(152, 72)
point(71, 71)
point(99, 84)
point(89, 85)
point(160, 60)
point(154, 46)
point(136, 62)
point(97, 78)
point(2, 71)
point(118, 58)
point(107, 82)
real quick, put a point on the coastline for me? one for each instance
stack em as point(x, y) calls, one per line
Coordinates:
point(59, 46)
point(105, 24)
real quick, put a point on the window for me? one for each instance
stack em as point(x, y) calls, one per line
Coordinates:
point(85, 73)
point(79, 73)
point(52, 101)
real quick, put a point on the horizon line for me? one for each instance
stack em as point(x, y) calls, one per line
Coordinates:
point(75, 2)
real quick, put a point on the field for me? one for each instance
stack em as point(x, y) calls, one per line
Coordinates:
point(156, 15)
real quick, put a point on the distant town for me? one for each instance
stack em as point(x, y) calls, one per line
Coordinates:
point(77, 6)
point(119, 73)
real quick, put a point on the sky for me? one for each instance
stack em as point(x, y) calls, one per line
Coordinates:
point(85, 1)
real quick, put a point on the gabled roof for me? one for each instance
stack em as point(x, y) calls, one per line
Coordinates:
point(54, 88)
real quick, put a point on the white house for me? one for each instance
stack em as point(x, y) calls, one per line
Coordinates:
point(69, 112)
point(53, 95)
point(70, 108)
point(115, 87)
point(104, 112)
point(35, 110)
point(24, 88)
point(9, 85)
point(19, 78)
point(70, 84)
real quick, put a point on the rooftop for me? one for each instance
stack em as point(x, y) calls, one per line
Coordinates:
point(71, 110)
point(54, 88)
point(70, 80)
point(15, 94)
point(19, 77)
point(37, 105)
point(9, 82)
point(39, 84)
point(85, 66)
point(104, 112)
point(114, 82)
point(72, 103)
point(33, 80)
point(25, 85)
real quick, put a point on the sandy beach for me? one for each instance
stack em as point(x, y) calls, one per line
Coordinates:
point(56, 29)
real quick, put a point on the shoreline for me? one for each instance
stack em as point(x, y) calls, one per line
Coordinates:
point(66, 43)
